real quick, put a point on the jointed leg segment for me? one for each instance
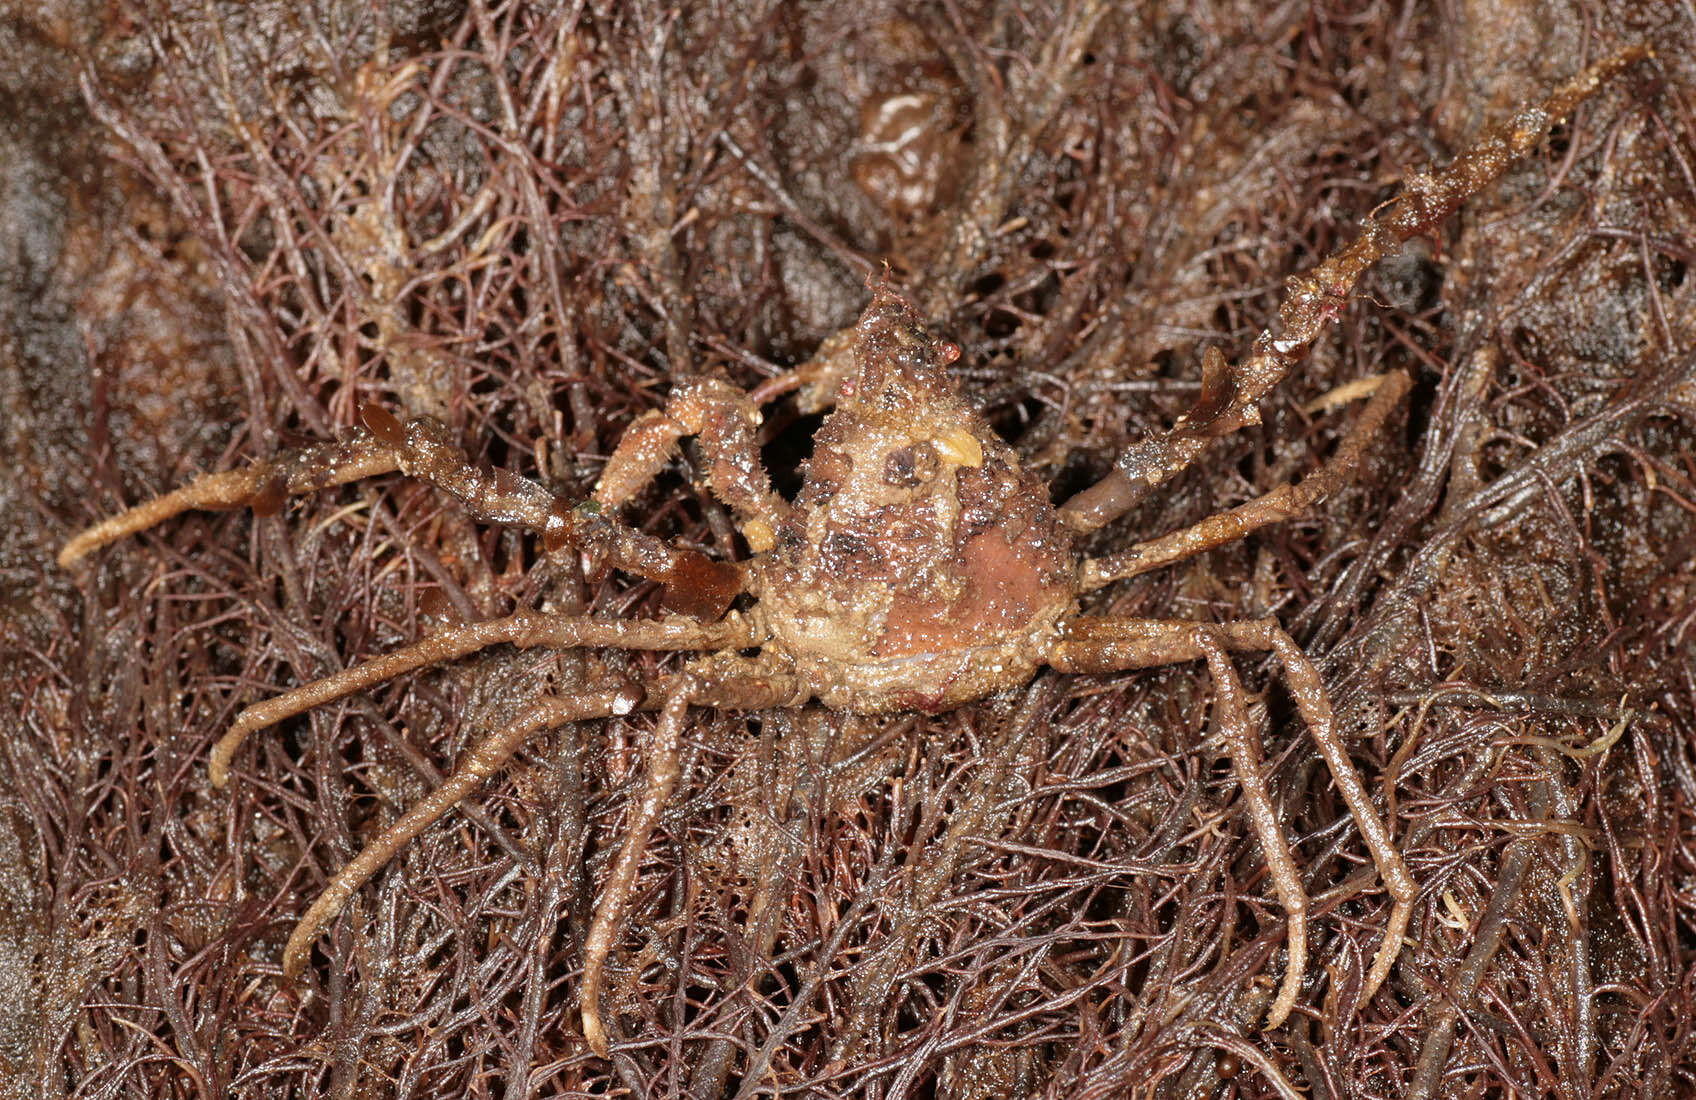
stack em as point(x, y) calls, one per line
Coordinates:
point(1284, 502)
point(522, 628)
point(422, 448)
point(661, 779)
point(1314, 299)
point(262, 486)
point(480, 762)
point(1230, 719)
point(1113, 645)
point(746, 687)
point(723, 419)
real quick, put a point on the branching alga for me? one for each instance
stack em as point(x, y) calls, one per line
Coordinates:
point(919, 567)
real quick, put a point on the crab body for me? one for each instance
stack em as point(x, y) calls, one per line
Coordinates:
point(919, 567)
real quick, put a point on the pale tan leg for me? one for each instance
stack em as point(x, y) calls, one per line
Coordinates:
point(1314, 705)
point(818, 379)
point(424, 449)
point(1280, 504)
point(421, 448)
point(263, 486)
point(480, 762)
point(523, 629)
point(1231, 717)
point(724, 419)
point(662, 775)
point(1230, 397)
point(745, 685)
point(1113, 645)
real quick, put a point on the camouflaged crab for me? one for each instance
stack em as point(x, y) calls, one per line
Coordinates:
point(919, 567)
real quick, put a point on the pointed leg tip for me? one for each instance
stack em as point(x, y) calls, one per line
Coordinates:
point(1286, 1002)
point(223, 753)
point(593, 1034)
point(1384, 963)
point(294, 956)
point(218, 762)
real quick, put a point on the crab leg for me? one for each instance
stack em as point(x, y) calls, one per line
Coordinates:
point(751, 691)
point(1313, 300)
point(1307, 689)
point(1113, 645)
point(263, 486)
point(818, 379)
point(661, 779)
point(480, 762)
point(1280, 504)
point(723, 418)
point(696, 585)
point(1230, 716)
point(524, 629)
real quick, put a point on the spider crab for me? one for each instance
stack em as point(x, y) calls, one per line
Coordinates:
point(919, 567)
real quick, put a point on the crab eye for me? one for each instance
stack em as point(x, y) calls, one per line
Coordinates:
point(899, 470)
point(948, 351)
point(909, 466)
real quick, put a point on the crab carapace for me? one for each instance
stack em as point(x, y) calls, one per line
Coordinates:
point(920, 567)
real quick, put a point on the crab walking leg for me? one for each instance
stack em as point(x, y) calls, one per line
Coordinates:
point(1231, 719)
point(1114, 645)
point(748, 689)
point(1280, 504)
point(524, 629)
point(723, 418)
point(818, 379)
point(662, 775)
point(1313, 300)
point(1141, 643)
point(263, 485)
point(480, 762)
point(423, 448)
point(1307, 689)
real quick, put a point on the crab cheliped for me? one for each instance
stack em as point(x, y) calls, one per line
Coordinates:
point(919, 567)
